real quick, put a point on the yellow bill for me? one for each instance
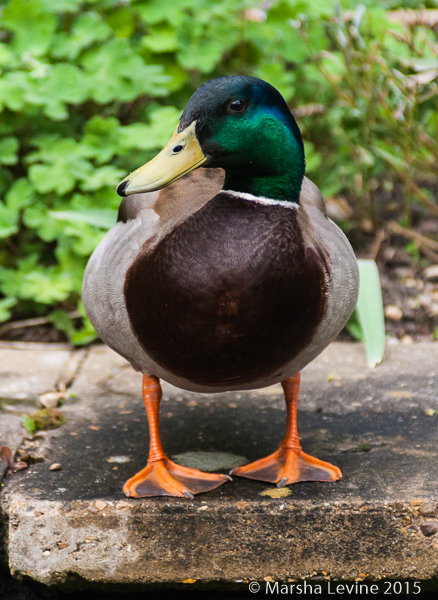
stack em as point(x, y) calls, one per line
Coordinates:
point(181, 155)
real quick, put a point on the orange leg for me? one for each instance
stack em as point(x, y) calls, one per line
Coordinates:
point(161, 476)
point(289, 464)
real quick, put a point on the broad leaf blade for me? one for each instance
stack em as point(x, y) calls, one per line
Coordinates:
point(98, 217)
point(370, 311)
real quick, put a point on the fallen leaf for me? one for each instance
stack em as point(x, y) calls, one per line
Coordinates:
point(51, 399)
point(276, 492)
point(19, 466)
point(6, 455)
point(94, 427)
point(61, 545)
point(189, 580)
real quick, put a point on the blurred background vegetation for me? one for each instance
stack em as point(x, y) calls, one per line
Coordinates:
point(91, 89)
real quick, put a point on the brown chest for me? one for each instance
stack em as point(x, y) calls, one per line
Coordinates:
point(230, 296)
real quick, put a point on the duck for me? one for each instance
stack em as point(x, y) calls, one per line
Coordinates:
point(223, 273)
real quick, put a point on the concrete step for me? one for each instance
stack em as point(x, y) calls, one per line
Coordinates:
point(74, 527)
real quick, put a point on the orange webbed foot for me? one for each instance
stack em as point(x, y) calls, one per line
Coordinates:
point(166, 478)
point(287, 466)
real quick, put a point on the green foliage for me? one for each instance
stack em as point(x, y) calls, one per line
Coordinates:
point(91, 89)
point(29, 425)
point(41, 420)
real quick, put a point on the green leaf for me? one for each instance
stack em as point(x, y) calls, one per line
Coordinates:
point(87, 29)
point(98, 217)
point(276, 74)
point(370, 311)
point(29, 425)
point(149, 137)
point(117, 73)
point(7, 58)
point(5, 305)
point(64, 165)
point(20, 194)
point(354, 327)
point(63, 322)
point(32, 23)
point(161, 39)
point(13, 90)
point(8, 221)
point(396, 162)
point(86, 334)
point(103, 177)
point(8, 150)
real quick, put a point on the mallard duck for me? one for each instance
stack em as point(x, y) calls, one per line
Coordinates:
point(223, 273)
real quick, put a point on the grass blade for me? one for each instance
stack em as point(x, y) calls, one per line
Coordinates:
point(97, 217)
point(370, 311)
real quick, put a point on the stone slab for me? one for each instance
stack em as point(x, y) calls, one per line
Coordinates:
point(373, 424)
point(24, 374)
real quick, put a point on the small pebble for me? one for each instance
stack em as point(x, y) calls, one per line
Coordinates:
point(429, 528)
point(431, 273)
point(93, 510)
point(55, 467)
point(100, 504)
point(411, 283)
point(393, 313)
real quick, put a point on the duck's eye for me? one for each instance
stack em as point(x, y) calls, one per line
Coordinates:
point(236, 106)
point(177, 149)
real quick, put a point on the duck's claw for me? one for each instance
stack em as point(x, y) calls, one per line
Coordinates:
point(166, 478)
point(286, 466)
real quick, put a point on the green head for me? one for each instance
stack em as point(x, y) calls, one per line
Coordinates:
point(241, 124)
point(244, 125)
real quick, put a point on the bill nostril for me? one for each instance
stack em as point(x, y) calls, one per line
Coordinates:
point(122, 187)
